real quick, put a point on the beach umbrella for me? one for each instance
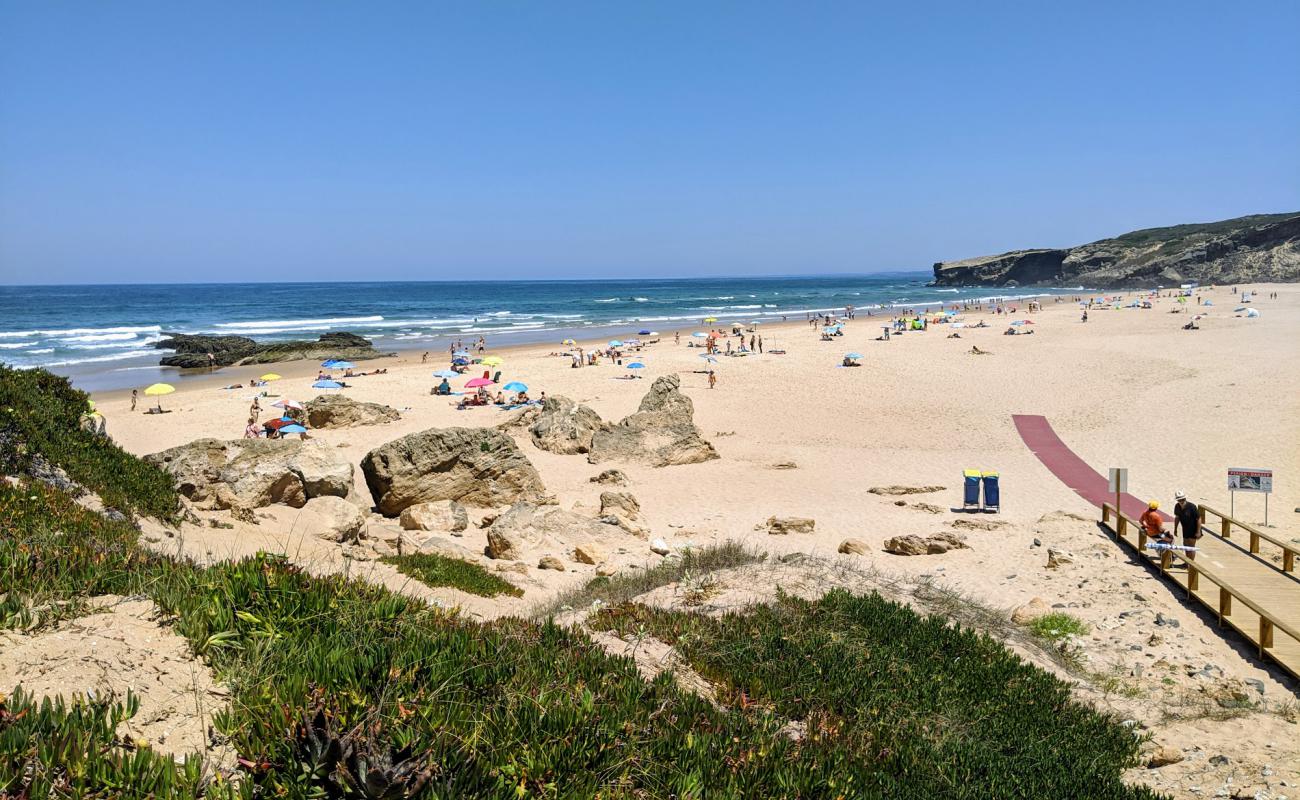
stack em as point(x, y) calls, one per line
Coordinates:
point(330, 362)
point(159, 389)
point(569, 342)
point(615, 343)
point(756, 322)
point(294, 428)
point(1252, 312)
point(492, 361)
point(474, 383)
point(343, 365)
point(460, 362)
point(708, 358)
point(445, 373)
point(699, 334)
point(1018, 322)
point(710, 319)
point(853, 355)
point(461, 354)
point(515, 386)
point(636, 365)
point(643, 333)
point(327, 384)
point(287, 403)
point(270, 376)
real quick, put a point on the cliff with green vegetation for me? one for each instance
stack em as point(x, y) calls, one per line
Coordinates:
point(343, 689)
point(1255, 249)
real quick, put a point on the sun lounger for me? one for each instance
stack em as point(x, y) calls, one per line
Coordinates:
point(992, 495)
point(970, 489)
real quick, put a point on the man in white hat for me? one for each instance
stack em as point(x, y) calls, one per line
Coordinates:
point(1188, 517)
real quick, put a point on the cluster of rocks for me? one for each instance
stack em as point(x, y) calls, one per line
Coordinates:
point(913, 545)
point(661, 433)
point(252, 473)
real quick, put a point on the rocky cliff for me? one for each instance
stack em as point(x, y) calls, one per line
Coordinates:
point(1260, 248)
point(192, 350)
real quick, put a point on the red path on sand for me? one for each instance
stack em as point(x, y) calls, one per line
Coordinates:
point(1072, 470)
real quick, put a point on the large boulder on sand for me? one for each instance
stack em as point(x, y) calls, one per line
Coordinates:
point(444, 515)
point(253, 473)
point(525, 527)
point(912, 545)
point(474, 466)
point(661, 433)
point(565, 427)
point(334, 519)
point(341, 411)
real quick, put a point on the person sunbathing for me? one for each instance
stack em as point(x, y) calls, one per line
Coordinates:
point(848, 362)
point(501, 398)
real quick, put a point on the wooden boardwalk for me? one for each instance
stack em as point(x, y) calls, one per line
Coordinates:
point(1233, 574)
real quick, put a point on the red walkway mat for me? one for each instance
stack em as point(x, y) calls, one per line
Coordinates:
point(1073, 471)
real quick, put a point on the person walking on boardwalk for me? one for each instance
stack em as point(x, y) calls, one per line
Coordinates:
point(1188, 517)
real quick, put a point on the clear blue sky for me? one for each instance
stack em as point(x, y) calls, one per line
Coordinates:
point(337, 140)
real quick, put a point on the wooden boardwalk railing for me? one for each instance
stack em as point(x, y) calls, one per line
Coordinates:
point(1250, 595)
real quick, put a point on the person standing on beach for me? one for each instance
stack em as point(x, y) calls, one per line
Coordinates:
point(135, 397)
point(760, 344)
point(424, 359)
point(1188, 517)
point(713, 379)
point(677, 337)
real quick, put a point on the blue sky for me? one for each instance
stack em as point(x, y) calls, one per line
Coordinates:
point(166, 141)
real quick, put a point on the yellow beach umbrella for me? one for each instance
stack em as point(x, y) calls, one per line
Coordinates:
point(159, 389)
point(569, 342)
point(270, 376)
point(492, 361)
point(710, 319)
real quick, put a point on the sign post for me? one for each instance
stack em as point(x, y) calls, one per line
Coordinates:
point(1119, 485)
point(1249, 480)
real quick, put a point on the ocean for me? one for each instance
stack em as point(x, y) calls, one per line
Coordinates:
point(102, 336)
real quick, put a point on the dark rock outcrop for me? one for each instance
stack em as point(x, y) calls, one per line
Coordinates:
point(202, 350)
point(1264, 247)
point(661, 433)
point(474, 466)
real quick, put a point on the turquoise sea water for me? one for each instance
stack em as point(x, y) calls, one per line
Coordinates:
point(102, 336)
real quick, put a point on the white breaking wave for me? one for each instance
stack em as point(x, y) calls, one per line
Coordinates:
point(84, 331)
point(292, 324)
point(606, 300)
point(97, 359)
point(14, 345)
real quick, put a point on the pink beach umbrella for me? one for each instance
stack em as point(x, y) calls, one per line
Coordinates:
point(475, 383)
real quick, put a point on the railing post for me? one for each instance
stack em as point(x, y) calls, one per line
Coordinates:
point(1105, 513)
point(1142, 538)
point(1225, 603)
point(1254, 542)
point(1265, 634)
point(1193, 578)
point(1166, 560)
point(1225, 527)
point(1288, 561)
point(1121, 525)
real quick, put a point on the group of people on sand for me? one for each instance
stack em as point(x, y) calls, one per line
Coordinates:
point(483, 397)
point(1186, 516)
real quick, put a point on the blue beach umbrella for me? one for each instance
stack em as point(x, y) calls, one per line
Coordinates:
point(699, 334)
point(515, 386)
point(643, 333)
point(445, 373)
point(853, 355)
point(329, 362)
point(292, 429)
point(460, 362)
point(636, 365)
point(615, 343)
point(342, 365)
point(324, 384)
point(461, 354)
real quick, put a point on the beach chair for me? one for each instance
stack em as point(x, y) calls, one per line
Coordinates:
point(971, 489)
point(992, 495)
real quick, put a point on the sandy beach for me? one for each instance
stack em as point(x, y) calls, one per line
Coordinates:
point(798, 435)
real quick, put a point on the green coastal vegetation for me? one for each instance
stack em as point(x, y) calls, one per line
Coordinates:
point(343, 689)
